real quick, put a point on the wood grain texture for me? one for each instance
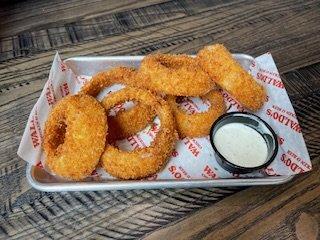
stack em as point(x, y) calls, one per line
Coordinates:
point(256, 213)
point(30, 33)
point(182, 26)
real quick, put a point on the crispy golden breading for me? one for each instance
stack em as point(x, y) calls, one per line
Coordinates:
point(128, 122)
point(124, 123)
point(74, 136)
point(218, 62)
point(76, 131)
point(141, 162)
point(198, 124)
point(178, 75)
point(106, 79)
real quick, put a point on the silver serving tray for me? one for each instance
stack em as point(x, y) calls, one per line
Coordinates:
point(43, 181)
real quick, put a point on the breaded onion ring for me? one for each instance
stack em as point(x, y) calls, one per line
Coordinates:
point(128, 122)
point(74, 136)
point(198, 124)
point(218, 62)
point(106, 79)
point(124, 123)
point(178, 75)
point(141, 162)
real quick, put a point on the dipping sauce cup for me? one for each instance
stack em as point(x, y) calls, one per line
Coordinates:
point(243, 142)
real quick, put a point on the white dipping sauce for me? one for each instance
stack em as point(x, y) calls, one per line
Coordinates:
point(241, 145)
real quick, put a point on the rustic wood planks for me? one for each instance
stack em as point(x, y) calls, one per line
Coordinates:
point(30, 33)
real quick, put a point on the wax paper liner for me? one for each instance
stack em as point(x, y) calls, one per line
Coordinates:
point(193, 158)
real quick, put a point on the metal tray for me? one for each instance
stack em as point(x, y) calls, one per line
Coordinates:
point(43, 181)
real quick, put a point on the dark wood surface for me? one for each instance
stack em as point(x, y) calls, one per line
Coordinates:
point(31, 31)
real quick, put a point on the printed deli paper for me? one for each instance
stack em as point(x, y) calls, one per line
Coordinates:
point(193, 158)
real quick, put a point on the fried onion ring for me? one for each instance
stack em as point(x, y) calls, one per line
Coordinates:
point(218, 62)
point(198, 124)
point(141, 162)
point(74, 136)
point(128, 122)
point(124, 123)
point(178, 75)
point(106, 79)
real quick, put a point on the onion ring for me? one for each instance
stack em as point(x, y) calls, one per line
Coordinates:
point(107, 78)
point(218, 62)
point(141, 162)
point(124, 123)
point(178, 75)
point(198, 124)
point(128, 122)
point(74, 136)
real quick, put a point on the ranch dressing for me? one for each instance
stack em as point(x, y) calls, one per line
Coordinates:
point(241, 145)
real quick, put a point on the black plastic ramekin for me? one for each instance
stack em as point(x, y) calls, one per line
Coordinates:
point(257, 124)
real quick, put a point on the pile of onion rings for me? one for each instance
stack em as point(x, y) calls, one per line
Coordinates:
point(80, 131)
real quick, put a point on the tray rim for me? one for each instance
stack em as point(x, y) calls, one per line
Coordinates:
point(148, 184)
point(138, 57)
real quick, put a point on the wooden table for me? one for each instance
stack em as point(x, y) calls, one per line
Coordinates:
point(31, 31)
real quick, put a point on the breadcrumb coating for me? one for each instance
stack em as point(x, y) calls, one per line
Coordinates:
point(218, 62)
point(74, 136)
